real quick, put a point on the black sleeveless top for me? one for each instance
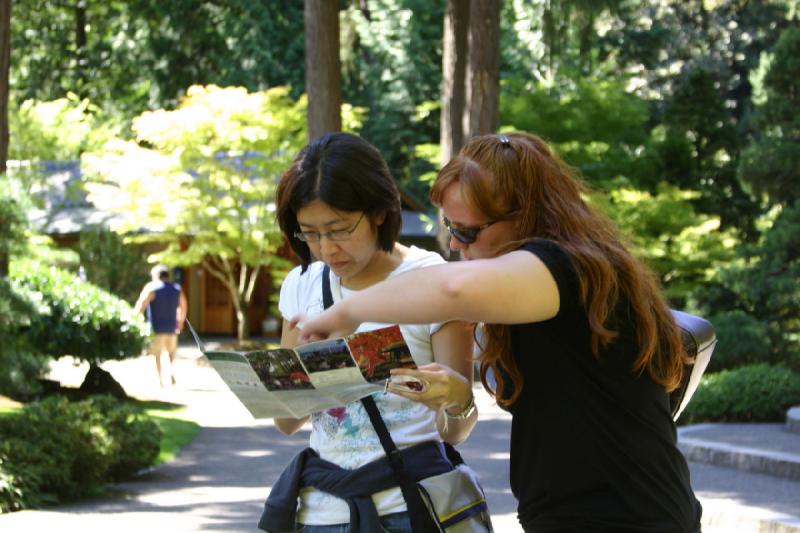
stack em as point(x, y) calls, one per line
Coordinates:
point(593, 446)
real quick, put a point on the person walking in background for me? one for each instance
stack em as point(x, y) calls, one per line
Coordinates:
point(166, 309)
point(576, 332)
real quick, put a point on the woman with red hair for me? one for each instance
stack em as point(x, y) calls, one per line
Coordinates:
point(576, 333)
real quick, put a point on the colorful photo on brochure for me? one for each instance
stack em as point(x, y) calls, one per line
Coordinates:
point(378, 351)
point(279, 370)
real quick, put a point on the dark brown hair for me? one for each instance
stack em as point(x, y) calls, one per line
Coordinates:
point(347, 173)
point(517, 177)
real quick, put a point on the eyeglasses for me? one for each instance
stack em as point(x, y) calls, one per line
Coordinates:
point(465, 234)
point(335, 235)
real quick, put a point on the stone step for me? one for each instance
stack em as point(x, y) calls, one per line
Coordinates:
point(765, 448)
point(793, 420)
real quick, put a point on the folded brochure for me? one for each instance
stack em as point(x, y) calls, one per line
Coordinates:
point(284, 382)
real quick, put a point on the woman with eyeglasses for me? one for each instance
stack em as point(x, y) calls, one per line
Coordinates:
point(337, 205)
point(576, 333)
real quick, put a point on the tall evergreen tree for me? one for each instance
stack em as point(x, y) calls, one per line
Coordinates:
point(772, 162)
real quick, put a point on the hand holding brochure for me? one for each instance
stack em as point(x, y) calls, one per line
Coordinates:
point(284, 382)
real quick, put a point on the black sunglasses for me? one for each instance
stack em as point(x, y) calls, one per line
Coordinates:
point(465, 234)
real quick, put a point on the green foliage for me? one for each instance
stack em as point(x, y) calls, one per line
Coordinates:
point(593, 123)
point(742, 339)
point(20, 364)
point(55, 450)
point(754, 393)
point(391, 63)
point(65, 444)
point(136, 436)
point(78, 318)
point(131, 55)
point(636, 94)
point(700, 147)
point(763, 284)
point(18, 486)
point(206, 169)
point(772, 162)
point(101, 254)
point(56, 130)
point(13, 222)
point(232, 43)
point(663, 41)
point(684, 248)
point(201, 180)
point(556, 37)
point(56, 54)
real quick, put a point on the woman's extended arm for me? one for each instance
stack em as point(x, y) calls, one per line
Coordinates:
point(513, 288)
point(289, 426)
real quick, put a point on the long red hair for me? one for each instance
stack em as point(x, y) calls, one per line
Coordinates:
point(517, 177)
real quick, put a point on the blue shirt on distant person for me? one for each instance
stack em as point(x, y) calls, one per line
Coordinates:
point(161, 309)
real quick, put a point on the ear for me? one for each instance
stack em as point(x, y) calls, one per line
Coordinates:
point(379, 218)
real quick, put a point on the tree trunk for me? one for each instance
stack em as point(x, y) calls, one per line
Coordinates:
point(99, 381)
point(454, 68)
point(80, 47)
point(239, 294)
point(483, 68)
point(242, 324)
point(323, 67)
point(5, 54)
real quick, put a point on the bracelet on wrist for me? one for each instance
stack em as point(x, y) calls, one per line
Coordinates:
point(464, 413)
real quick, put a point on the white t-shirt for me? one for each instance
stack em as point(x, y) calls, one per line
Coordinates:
point(344, 435)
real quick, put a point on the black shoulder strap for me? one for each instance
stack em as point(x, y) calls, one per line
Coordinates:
point(420, 517)
point(369, 404)
point(327, 295)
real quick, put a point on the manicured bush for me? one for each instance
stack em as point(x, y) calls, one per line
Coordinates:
point(78, 318)
point(56, 450)
point(20, 364)
point(136, 435)
point(66, 442)
point(753, 393)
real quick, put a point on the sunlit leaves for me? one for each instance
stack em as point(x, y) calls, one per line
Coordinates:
point(55, 130)
point(685, 248)
point(200, 179)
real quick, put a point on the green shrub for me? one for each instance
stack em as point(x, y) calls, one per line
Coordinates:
point(10, 492)
point(79, 319)
point(754, 393)
point(20, 365)
point(102, 251)
point(20, 488)
point(55, 450)
point(65, 441)
point(136, 435)
point(741, 340)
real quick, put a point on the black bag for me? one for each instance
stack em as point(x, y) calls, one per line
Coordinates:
point(699, 340)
